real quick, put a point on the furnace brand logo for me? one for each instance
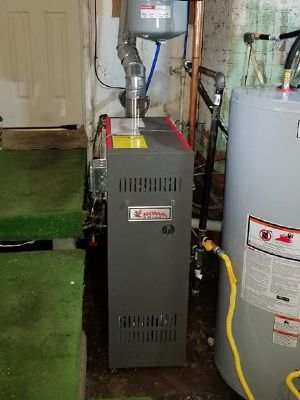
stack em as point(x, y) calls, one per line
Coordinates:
point(141, 214)
point(149, 214)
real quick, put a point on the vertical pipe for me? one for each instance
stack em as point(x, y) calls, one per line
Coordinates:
point(196, 60)
point(210, 160)
point(135, 72)
point(182, 95)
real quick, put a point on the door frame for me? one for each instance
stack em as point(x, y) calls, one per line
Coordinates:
point(87, 34)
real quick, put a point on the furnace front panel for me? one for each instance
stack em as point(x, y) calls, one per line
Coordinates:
point(149, 224)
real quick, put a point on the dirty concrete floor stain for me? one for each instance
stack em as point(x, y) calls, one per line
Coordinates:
point(198, 379)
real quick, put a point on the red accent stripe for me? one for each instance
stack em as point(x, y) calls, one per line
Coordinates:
point(179, 135)
point(285, 333)
point(287, 318)
point(286, 90)
point(279, 227)
point(109, 143)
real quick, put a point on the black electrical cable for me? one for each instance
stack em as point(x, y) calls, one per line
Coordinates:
point(294, 51)
point(264, 36)
point(96, 55)
point(282, 36)
point(289, 35)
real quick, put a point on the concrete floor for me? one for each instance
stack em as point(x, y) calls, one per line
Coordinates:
point(198, 379)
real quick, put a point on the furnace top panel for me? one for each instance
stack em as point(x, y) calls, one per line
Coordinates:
point(159, 133)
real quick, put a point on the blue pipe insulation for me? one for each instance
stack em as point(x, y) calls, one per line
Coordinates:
point(186, 36)
point(158, 46)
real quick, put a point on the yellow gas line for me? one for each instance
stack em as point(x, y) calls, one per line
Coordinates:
point(290, 384)
point(211, 246)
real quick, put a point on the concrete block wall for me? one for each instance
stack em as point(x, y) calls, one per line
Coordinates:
point(225, 23)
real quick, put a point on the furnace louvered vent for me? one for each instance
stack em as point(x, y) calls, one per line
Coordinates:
point(155, 328)
point(152, 185)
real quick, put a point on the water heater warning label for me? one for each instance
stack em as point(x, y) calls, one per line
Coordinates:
point(286, 330)
point(153, 12)
point(271, 268)
point(274, 239)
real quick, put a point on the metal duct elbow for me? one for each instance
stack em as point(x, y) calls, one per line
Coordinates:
point(134, 98)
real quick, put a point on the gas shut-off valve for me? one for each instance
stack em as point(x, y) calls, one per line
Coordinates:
point(197, 256)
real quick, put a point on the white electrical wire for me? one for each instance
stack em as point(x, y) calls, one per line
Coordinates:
point(16, 245)
point(194, 232)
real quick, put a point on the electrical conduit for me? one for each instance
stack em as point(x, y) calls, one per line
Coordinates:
point(210, 246)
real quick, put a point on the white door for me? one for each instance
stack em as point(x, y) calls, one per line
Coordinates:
point(40, 63)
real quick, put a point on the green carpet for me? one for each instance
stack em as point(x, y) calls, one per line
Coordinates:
point(41, 194)
point(129, 398)
point(40, 325)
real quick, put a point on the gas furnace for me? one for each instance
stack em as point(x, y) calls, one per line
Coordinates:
point(150, 176)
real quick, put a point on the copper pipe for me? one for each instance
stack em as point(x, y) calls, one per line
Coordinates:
point(196, 60)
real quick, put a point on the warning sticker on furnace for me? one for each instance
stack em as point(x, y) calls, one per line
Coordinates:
point(129, 142)
point(271, 270)
point(286, 330)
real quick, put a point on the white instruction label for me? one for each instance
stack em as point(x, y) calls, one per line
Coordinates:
point(286, 330)
point(162, 12)
point(271, 274)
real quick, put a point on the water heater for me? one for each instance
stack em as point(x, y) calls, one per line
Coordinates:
point(157, 20)
point(261, 234)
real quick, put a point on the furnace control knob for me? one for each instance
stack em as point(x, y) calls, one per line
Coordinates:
point(168, 230)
